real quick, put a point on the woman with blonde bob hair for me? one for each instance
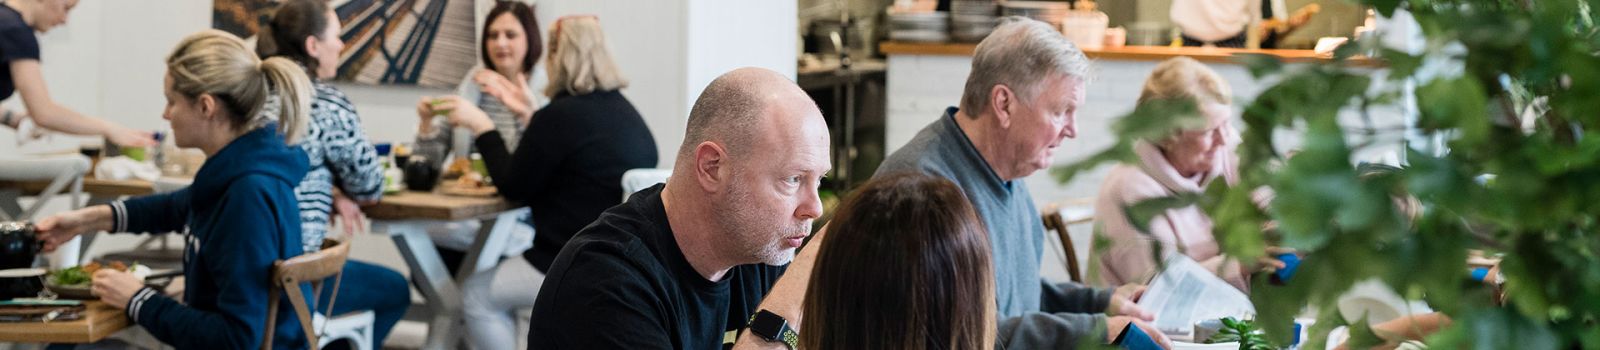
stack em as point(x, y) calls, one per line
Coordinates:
point(579, 61)
point(567, 166)
point(1198, 152)
point(240, 213)
point(906, 266)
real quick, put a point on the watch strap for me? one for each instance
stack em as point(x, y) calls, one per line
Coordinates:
point(786, 335)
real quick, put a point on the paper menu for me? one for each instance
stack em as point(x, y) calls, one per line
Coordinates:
point(1185, 293)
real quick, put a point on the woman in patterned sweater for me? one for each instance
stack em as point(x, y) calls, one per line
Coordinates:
point(344, 166)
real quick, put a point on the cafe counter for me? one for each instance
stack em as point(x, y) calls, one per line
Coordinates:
point(1138, 53)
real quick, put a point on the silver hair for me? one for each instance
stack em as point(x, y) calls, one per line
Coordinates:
point(1020, 53)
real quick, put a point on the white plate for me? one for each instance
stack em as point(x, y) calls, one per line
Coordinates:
point(14, 273)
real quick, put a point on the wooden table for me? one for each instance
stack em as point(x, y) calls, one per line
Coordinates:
point(99, 321)
point(406, 216)
point(91, 185)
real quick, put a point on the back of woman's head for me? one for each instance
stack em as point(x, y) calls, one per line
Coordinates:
point(218, 64)
point(905, 265)
point(1183, 78)
point(579, 61)
point(285, 34)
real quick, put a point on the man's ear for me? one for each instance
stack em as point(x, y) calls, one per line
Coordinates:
point(710, 165)
point(1001, 101)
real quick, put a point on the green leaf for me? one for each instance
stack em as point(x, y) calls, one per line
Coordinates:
point(1140, 213)
point(1361, 335)
point(1384, 7)
point(1260, 65)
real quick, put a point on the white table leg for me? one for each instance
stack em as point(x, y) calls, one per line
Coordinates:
point(493, 237)
point(431, 278)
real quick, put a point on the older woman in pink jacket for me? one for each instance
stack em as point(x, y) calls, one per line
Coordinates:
point(1185, 162)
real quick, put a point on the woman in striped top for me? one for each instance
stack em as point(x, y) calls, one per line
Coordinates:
point(345, 168)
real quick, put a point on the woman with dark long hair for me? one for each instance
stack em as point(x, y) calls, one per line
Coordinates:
point(344, 166)
point(906, 266)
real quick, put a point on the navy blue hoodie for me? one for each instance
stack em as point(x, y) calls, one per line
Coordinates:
point(241, 215)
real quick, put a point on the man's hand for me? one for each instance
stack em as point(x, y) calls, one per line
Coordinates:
point(787, 295)
point(1125, 302)
point(1115, 325)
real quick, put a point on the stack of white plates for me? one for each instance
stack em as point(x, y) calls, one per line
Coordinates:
point(924, 27)
point(1048, 11)
point(971, 20)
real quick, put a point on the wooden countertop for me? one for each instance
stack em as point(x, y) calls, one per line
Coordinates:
point(1127, 53)
point(91, 185)
point(99, 320)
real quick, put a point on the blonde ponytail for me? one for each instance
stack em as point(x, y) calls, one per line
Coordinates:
point(216, 63)
point(289, 82)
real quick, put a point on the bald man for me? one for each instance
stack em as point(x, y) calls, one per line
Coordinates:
point(683, 265)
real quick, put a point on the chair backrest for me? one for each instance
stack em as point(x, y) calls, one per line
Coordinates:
point(287, 275)
point(1054, 222)
point(1059, 217)
point(638, 179)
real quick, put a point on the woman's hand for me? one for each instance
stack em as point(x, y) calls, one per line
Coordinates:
point(349, 213)
point(425, 113)
point(62, 227)
point(465, 114)
point(514, 94)
point(126, 137)
point(115, 287)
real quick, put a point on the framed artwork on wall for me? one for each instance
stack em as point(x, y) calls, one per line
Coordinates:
point(429, 43)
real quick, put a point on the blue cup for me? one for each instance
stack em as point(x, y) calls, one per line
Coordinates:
point(1291, 263)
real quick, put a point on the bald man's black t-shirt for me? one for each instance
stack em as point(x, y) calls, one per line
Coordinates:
point(623, 283)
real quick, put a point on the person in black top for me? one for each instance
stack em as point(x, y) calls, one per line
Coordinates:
point(19, 52)
point(567, 167)
point(684, 265)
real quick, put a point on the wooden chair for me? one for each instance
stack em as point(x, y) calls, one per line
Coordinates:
point(1057, 219)
point(287, 275)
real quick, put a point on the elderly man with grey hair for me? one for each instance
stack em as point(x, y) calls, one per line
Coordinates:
point(1019, 103)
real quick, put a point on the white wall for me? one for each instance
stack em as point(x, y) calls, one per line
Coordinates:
point(671, 49)
point(108, 60)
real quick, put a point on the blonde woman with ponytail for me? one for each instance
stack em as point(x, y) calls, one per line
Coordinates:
point(240, 213)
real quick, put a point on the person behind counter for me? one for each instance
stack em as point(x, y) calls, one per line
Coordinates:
point(1224, 23)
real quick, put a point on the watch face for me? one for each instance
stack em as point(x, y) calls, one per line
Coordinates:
point(768, 325)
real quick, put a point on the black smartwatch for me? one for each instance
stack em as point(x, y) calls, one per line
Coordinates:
point(773, 328)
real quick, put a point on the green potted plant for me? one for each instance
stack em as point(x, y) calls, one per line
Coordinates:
point(1510, 89)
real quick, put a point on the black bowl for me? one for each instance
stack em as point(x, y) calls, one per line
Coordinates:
point(18, 246)
point(21, 283)
point(421, 175)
